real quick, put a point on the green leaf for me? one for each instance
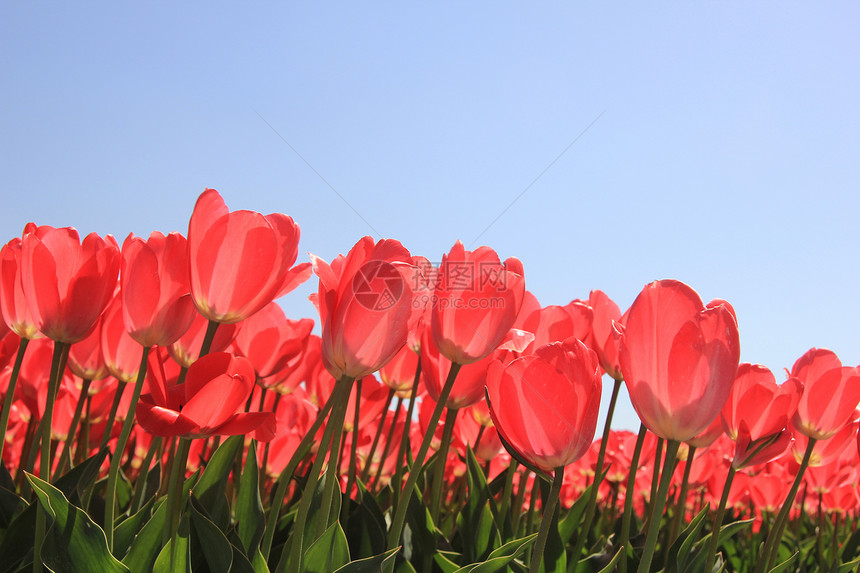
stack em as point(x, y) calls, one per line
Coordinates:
point(18, 540)
point(329, 552)
point(447, 561)
point(571, 522)
point(501, 557)
point(147, 544)
point(11, 505)
point(848, 567)
point(214, 545)
point(76, 481)
point(210, 489)
point(128, 529)
point(478, 519)
point(679, 552)
point(259, 562)
point(180, 561)
point(73, 542)
point(249, 507)
point(785, 564)
point(370, 564)
point(611, 565)
point(366, 529)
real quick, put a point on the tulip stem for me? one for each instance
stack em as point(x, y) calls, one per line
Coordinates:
point(598, 477)
point(122, 441)
point(339, 398)
point(771, 546)
point(404, 438)
point(287, 474)
point(681, 502)
point(208, 337)
point(65, 456)
point(332, 483)
point(441, 459)
point(140, 486)
point(117, 397)
point(58, 364)
point(174, 496)
point(403, 502)
point(546, 521)
point(365, 471)
point(10, 392)
point(353, 453)
point(658, 504)
point(711, 555)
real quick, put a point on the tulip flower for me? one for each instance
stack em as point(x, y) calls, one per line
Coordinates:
point(476, 300)
point(187, 349)
point(678, 359)
point(13, 304)
point(208, 403)
point(271, 341)
point(605, 344)
point(831, 392)
point(157, 307)
point(240, 261)
point(545, 405)
point(67, 282)
point(365, 306)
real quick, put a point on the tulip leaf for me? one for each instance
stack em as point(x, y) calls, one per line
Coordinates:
point(850, 566)
point(11, 505)
point(447, 561)
point(611, 565)
point(501, 557)
point(249, 507)
point(18, 540)
point(179, 561)
point(571, 522)
point(126, 531)
point(329, 552)
point(147, 543)
point(215, 547)
point(210, 489)
point(478, 519)
point(554, 555)
point(370, 564)
point(366, 528)
point(679, 552)
point(73, 542)
point(785, 564)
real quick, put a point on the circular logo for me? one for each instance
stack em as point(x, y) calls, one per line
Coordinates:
point(377, 285)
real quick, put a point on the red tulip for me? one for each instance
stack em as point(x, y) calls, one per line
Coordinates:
point(365, 306)
point(240, 261)
point(678, 359)
point(831, 392)
point(545, 404)
point(120, 351)
point(157, 307)
point(468, 385)
point(86, 358)
point(270, 340)
point(208, 403)
point(186, 350)
point(399, 373)
point(475, 303)
point(13, 304)
point(67, 282)
point(605, 344)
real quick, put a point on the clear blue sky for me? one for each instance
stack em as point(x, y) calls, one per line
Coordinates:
point(727, 154)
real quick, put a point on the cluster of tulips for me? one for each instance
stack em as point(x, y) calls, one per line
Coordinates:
point(161, 413)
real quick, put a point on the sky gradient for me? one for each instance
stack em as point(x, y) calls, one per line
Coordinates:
point(711, 142)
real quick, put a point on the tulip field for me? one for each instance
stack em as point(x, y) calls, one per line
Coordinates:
point(162, 413)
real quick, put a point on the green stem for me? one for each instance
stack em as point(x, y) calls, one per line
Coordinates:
point(718, 521)
point(505, 500)
point(387, 447)
point(287, 474)
point(296, 553)
point(353, 454)
point(441, 462)
point(681, 502)
point(771, 546)
point(208, 338)
point(65, 456)
point(84, 443)
point(517, 508)
point(628, 497)
point(174, 496)
point(404, 438)
point(658, 504)
point(365, 471)
point(546, 522)
point(332, 483)
point(117, 397)
point(598, 477)
point(140, 486)
point(403, 502)
point(10, 392)
point(116, 460)
point(58, 364)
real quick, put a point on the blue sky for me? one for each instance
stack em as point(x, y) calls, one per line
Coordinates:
point(722, 150)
